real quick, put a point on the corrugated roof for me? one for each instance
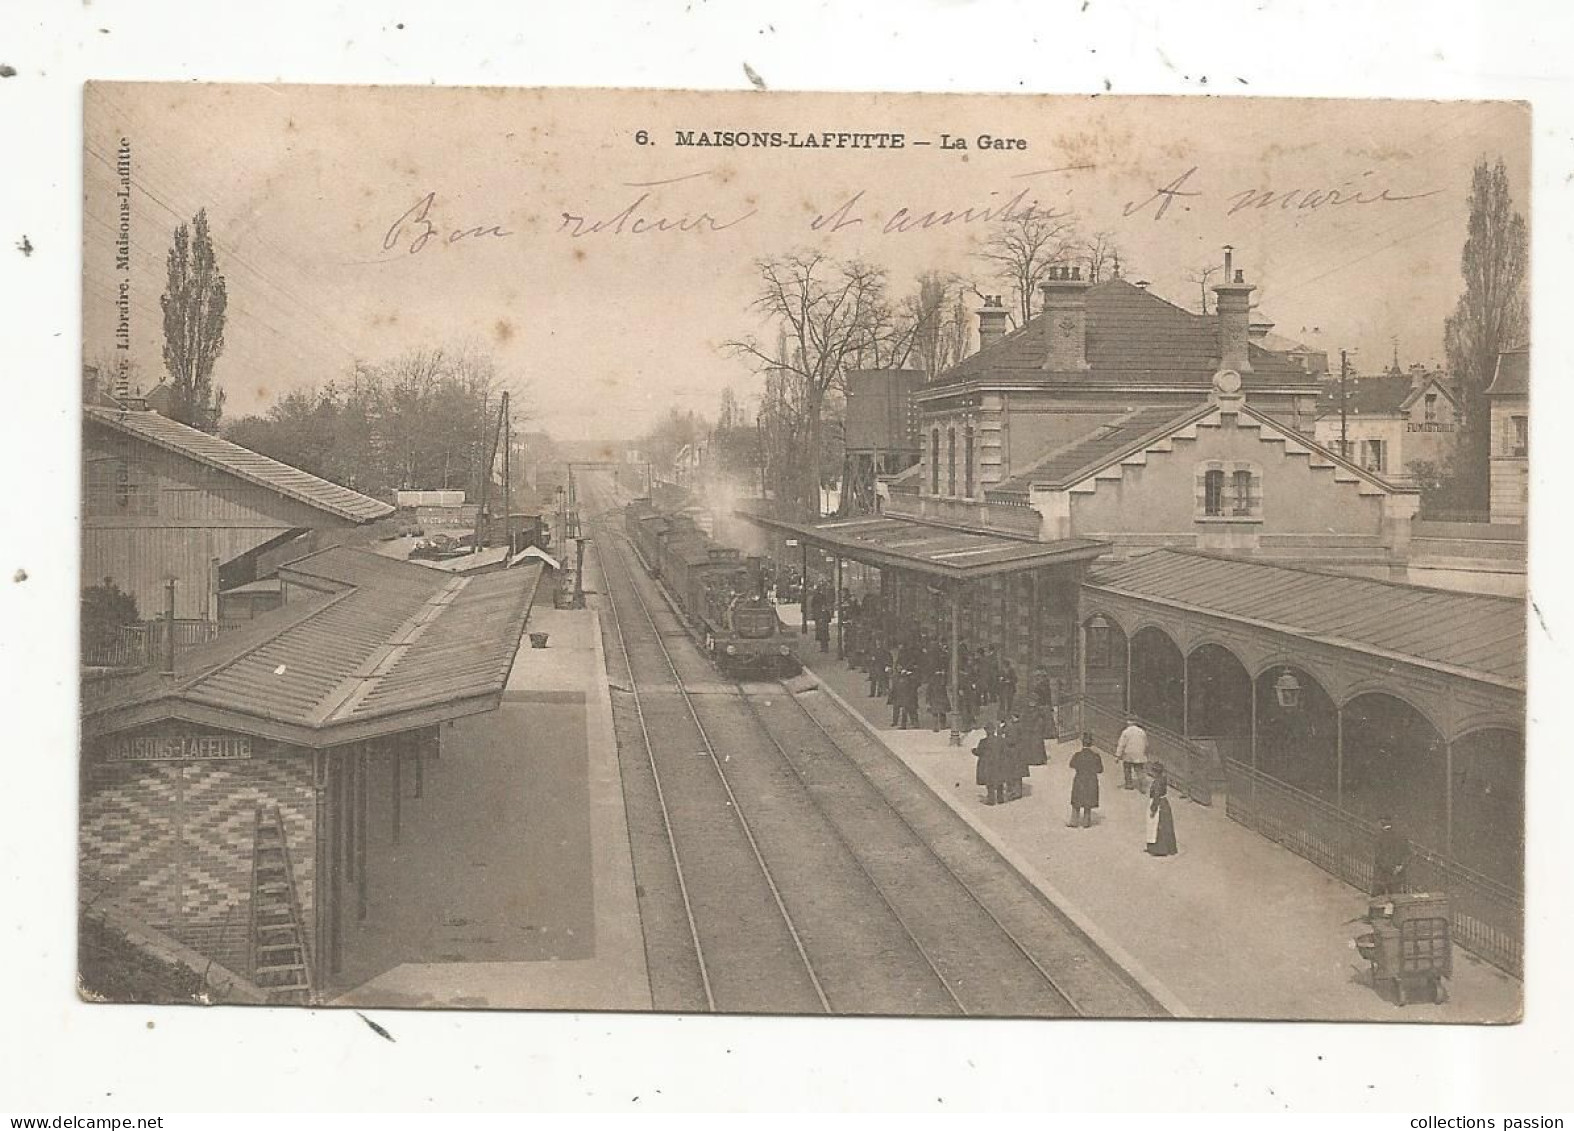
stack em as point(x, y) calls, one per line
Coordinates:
point(1133, 337)
point(1072, 462)
point(940, 551)
point(254, 467)
point(1512, 376)
point(1474, 635)
point(382, 639)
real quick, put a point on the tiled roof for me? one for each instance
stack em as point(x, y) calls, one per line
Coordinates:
point(1512, 376)
point(381, 640)
point(1372, 396)
point(939, 551)
point(1067, 464)
point(241, 462)
point(1469, 634)
point(1368, 396)
point(1133, 337)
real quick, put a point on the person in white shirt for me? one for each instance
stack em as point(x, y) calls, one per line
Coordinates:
point(1131, 751)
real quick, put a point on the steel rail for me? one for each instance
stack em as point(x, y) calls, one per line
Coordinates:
point(732, 798)
point(661, 797)
point(1004, 930)
point(841, 839)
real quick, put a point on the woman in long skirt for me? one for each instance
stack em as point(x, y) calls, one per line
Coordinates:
point(1161, 822)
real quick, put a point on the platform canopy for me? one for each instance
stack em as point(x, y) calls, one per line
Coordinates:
point(365, 646)
point(943, 552)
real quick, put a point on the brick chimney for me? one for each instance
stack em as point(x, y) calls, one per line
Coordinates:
point(1233, 297)
point(993, 321)
point(1065, 320)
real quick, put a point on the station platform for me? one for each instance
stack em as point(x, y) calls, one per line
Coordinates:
point(515, 883)
point(1233, 926)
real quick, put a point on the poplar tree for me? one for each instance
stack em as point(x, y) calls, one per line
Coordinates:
point(1491, 316)
point(194, 303)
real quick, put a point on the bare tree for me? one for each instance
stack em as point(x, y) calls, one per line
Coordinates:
point(1023, 247)
point(1103, 255)
point(1200, 276)
point(835, 317)
point(941, 326)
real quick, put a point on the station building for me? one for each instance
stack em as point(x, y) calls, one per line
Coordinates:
point(1130, 496)
point(163, 501)
point(226, 795)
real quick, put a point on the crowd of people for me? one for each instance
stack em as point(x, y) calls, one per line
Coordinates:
point(910, 668)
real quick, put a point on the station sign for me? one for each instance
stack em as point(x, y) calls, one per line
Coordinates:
point(180, 747)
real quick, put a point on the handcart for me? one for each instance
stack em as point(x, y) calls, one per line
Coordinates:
point(1409, 945)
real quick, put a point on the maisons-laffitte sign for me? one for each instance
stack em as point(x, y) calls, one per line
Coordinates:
point(179, 747)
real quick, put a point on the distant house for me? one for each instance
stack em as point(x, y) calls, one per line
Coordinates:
point(1509, 396)
point(164, 501)
point(1309, 359)
point(1389, 423)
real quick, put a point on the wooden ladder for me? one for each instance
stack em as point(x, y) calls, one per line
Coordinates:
point(280, 960)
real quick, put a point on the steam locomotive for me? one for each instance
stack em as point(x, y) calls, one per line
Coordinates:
point(720, 593)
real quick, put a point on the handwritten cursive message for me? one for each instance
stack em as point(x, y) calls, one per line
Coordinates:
point(687, 206)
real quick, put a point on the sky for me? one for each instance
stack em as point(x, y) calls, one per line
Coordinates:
point(318, 197)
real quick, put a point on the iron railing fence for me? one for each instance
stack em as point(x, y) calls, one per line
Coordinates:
point(1488, 916)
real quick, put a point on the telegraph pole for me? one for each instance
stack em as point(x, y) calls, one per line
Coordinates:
point(508, 481)
point(1344, 404)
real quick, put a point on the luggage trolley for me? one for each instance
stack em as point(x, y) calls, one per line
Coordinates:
point(1409, 945)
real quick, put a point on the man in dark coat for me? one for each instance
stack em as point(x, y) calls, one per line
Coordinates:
point(878, 666)
point(1390, 860)
point(1023, 745)
point(1086, 766)
point(939, 696)
point(992, 766)
point(1008, 687)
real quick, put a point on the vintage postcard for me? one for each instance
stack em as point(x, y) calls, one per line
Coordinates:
point(905, 555)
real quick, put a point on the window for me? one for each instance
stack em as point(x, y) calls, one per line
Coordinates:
point(1431, 408)
point(1520, 435)
point(1229, 492)
point(950, 477)
point(967, 461)
point(1374, 455)
point(1243, 492)
point(1213, 493)
point(934, 462)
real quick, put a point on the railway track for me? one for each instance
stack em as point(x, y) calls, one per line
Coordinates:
point(814, 873)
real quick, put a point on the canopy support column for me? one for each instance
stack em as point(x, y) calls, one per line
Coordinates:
point(954, 675)
point(803, 590)
point(841, 628)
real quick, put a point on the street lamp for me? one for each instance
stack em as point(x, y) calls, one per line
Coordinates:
point(1098, 639)
point(1287, 689)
